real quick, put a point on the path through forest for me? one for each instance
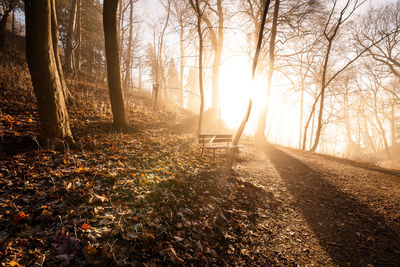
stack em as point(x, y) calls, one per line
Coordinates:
point(323, 210)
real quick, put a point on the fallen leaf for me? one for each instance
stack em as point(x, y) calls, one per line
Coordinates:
point(14, 263)
point(20, 216)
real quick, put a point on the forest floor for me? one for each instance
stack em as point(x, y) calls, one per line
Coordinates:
point(146, 198)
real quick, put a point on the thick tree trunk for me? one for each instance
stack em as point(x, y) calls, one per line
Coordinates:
point(45, 76)
point(263, 116)
point(113, 64)
point(69, 66)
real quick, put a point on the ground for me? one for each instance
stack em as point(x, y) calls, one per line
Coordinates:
point(147, 198)
point(326, 211)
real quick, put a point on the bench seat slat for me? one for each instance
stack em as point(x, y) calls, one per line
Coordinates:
point(216, 135)
point(216, 140)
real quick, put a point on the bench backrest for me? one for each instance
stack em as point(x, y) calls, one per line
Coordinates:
point(215, 138)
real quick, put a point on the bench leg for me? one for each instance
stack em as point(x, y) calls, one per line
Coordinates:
point(214, 153)
point(236, 156)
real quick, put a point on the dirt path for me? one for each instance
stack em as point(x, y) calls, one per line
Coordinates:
point(322, 210)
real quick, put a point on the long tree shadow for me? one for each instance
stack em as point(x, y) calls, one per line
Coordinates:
point(349, 231)
point(364, 165)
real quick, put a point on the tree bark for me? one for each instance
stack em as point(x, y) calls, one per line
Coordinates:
point(69, 66)
point(113, 64)
point(54, 36)
point(128, 62)
point(78, 37)
point(263, 116)
point(45, 76)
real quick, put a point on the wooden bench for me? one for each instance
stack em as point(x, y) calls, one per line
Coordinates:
point(216, 141)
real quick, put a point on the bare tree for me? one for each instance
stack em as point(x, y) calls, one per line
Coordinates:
point(331, 30)
point(382, 24)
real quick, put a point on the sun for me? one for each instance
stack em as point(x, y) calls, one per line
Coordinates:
point(237, 87)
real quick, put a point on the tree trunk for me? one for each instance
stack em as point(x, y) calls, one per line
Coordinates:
point(215, 76)
point(120, 26)
point(239, 131)
point(78, 36)
point(54, 36)
point(322, 95)
point(312, 128)
point(393, 124)
point(13, 22)
point(217, 57)
point(381, 130)
point(128, 62)
point(311, 116)
point(182, 66)
point(301, 114)
point(3, 24)
point(263, 116)
point(368, 138)
point(199, 15)
point(160, 52)
point(69, 66)
point(113, 64)
point(140, 74)
point(346, 117)
point(45, 76)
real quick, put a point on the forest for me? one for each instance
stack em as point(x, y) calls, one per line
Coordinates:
point(199, 132)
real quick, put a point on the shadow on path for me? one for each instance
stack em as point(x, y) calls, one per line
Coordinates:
point(366, 166)
point(348, 230)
